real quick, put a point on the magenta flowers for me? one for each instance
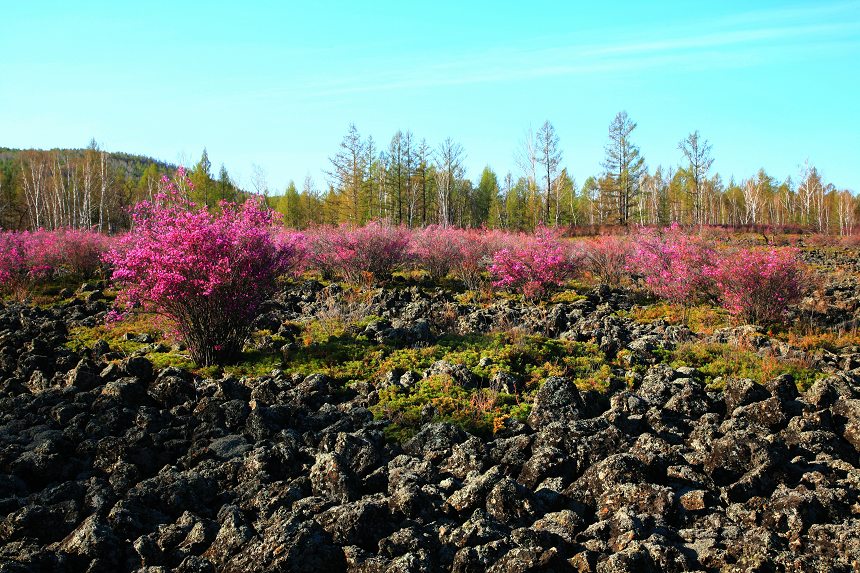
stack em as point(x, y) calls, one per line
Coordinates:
point(359, 254)
point(759, 285)
point(534, 265)
point(674, 265)
point(29, 258)
point(207, 273)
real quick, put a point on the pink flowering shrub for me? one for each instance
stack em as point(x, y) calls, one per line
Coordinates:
point(607, 258)
point(463, 253)
point(357, 254)
point(29, 258)
point(437, 249)
point(294, 250)
point(758, 285)
point(674, 265)
point(15, 274)
point(319, 251)
point(534, 265)
point(207, 273)
point(477, 248)
point(80, 252)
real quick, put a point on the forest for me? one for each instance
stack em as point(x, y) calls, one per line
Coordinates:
point(416, 183)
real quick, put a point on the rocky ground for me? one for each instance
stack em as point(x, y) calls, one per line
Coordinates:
point(110, 465)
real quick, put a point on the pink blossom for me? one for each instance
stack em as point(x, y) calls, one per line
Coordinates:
point(758, 285)
point(206, 272)
point(533, 265)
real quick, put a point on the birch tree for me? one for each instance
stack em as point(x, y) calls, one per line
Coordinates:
point(449, 170)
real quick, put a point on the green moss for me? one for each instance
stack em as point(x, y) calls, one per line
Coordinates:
point(348, 356)
point(532, 358)
point(727, 360)
point(475, 410)
point(80, 338)
point(568, 295)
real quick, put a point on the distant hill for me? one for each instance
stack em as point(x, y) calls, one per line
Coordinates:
point(130, 164)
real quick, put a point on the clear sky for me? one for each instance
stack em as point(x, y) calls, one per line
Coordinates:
point(276, 84)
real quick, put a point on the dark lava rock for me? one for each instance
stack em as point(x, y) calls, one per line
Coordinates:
point(106, 465)
point(557, 400)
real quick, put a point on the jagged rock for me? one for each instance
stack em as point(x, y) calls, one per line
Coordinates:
point(557, 400)
point(848, 416)
point(740, 392)
point(330, 477)
point(106, 465)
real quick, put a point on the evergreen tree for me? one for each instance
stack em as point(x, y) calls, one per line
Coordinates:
point(204, 186)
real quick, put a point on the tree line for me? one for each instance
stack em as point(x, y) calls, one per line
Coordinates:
point(414, 183)
point(91, 188)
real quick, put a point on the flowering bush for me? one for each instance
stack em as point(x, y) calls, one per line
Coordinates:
point(79, 252)
point(534, 265)
point(14, 271)
point(28, 258)
point(463, 253)
point(294, 250)
point(319, 251)
point(477, 248)
point(607, 258)
point(759, 285)
point(437, 249)
point(674, 265)
point(207, 273)
point(360, 253)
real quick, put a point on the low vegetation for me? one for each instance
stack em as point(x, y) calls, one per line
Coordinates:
point(190, 282)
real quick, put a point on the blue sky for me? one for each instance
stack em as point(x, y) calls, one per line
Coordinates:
point(276, 84)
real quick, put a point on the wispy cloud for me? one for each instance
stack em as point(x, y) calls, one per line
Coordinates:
point(743, 40)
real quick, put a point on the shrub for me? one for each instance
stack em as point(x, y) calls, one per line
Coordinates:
point(463, 253)
point(438, 250)
point(758, 285)
point(207, 273)
point(319, 251)
point(477, 248)
point(674, 265)
point(373, 251)
point(26, 259)
point(294, 249)
point(14, 274)
point(534, 265)
point(607, 258)
point(80, 252)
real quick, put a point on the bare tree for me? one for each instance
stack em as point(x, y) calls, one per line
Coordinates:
point(409, 168)
point(370, 179)
point(752, 200)
point(423, 161)
point(847, 205)
point(808, 190)
point(526, 159)
point(549, 158)
point(698, 154)
point(259, 180)
point(311, 195)
point(34, 173)
point(103, 175)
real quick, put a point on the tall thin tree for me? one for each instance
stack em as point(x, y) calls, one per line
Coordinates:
point(624, 165)
point(698, 154)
